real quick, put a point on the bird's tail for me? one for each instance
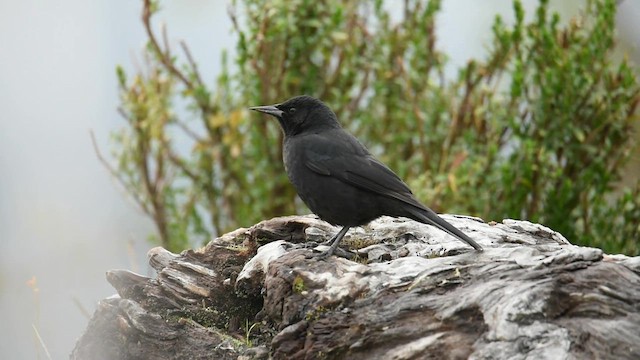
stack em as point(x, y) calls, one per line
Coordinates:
point(427, 216)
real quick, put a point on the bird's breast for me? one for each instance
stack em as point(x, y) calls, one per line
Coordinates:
point(293, 159)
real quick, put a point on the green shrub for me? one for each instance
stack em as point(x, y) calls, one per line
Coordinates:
point(540, 129)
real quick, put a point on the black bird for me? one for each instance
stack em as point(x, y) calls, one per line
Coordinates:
point(337, 177)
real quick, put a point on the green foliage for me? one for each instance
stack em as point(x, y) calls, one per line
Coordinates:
point(540, 130)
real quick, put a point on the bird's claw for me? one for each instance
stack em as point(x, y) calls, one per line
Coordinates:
point(326, 254)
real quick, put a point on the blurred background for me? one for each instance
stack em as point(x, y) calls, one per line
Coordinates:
point(63, 220)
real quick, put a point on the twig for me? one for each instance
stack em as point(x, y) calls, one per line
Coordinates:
point(165, 41)
point(357, 99)
point(153, 186)
point(192, 134)
point(46, 351)
point(234, 17)
point(192, 63)
point(131, 253)
point(175, 159)
point(81, 307)
point(163, 56)
point(114, 173)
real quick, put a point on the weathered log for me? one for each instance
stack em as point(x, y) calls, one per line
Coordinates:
point(412, 292)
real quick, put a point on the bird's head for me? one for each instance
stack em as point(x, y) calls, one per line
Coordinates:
point(301, 114)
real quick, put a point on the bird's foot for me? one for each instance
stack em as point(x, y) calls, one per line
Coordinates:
point(327, 253)
point(327, 243)
point(312, 244)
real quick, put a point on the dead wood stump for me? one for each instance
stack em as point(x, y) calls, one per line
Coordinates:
point(412, 292)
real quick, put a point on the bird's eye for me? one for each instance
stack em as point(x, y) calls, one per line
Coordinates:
point(292, 110)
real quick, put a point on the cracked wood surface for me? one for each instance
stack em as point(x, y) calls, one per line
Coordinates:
point(410, 292)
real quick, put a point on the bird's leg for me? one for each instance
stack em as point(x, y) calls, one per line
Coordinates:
point(334, 242)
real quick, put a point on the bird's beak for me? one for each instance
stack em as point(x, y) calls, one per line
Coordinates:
point(269, 109)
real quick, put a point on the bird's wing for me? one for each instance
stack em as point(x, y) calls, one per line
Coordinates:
point(351, 163)
point(354, 165)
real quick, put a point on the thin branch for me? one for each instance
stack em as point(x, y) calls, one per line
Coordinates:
point(114, 173)
point(165, 41)
point(163, 55)
point(234, 17)
point(175, 159)
point(187, 130)
point(153, 187)
point(192, 63)
point(81, 307)
point(357, 99)
point(46, 351)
